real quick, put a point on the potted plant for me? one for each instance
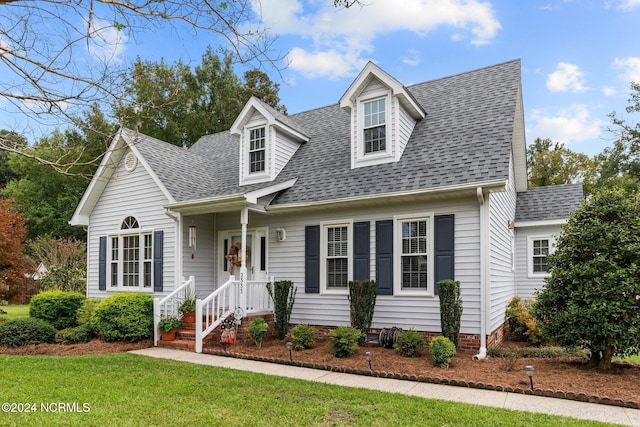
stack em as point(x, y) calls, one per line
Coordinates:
point(188, 306)
point(168, 328)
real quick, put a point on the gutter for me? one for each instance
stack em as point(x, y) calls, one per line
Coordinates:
point(483, 275)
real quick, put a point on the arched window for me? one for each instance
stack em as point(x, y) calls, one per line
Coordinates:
point(129, 223)
point(131, 256)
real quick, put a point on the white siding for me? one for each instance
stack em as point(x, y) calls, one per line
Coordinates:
point(285, 148)
point(130, 194)
point(525, 285)
point(286, 262)
point(502, 208)
point(202, 264)
point(404, 129)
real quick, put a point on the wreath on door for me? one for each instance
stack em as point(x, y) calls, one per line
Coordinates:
point(233, 256)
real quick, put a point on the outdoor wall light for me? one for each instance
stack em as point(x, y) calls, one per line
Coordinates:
point(367, 356)
point(529, 370)
point(281, 234)
point(289, 345)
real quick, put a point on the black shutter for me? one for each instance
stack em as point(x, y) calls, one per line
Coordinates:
point(102, 263)
point(384, 257)
point(312, 259)
point(157, 260)
point(443, 245)
point(361, 239)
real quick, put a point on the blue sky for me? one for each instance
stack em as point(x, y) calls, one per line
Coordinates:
point(578, 57)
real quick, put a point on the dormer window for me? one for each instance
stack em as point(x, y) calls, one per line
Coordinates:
point(257, 150)
point(375, 128)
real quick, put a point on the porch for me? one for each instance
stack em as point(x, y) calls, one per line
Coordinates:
point(236, 299)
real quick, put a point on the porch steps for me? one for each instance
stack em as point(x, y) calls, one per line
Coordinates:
point(186, 338)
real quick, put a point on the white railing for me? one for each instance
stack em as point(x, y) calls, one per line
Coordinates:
point(212, 310)
point(168, 306)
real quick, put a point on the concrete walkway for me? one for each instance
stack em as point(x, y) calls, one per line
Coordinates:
point(520, 402)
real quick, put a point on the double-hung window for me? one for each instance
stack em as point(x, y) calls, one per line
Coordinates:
point(375, 128)
point(336, 259)
point(539, 248)
point(414, 266)
point(131, 257)
point(257, 150)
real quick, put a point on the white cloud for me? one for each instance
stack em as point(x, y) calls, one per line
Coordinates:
point(568, 125)
point(106, 43)
point(609, 91)
point(630, 67)
point(329, 63)
point(411, 57)
point(346, 35)
point(567, 77)
point(627, 4)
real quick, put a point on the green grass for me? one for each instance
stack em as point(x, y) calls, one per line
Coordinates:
point(127, 389)
point(14, 311)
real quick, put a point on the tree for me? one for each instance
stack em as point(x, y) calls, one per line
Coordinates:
point(178, 105)
point(619, 165)
point(65, 260)
point(13, 264)
point(550, 163)
point(52, 73)
point(592, 298)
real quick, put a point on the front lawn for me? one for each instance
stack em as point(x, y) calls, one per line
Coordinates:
point(127, 389)
point(14, 311)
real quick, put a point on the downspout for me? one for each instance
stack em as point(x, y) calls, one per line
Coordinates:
point(483, 279)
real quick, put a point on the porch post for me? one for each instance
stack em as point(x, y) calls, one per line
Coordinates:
point(244, 219)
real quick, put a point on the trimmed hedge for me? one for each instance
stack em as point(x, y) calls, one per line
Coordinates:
point(79, 334)
point(125, 317)
point(58, 308)
point(25, 331)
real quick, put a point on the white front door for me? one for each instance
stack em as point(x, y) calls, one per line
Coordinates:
point(256, 252)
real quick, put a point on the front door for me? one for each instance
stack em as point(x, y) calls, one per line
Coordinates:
point(229, 244)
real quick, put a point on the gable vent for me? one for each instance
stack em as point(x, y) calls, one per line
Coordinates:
point(130, 162)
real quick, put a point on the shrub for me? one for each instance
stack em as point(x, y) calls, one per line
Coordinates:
point(362, 303)
point(410, 343)
point(283, 295)
point(86, 312)
point(442, 351)
point(303, 337)
point(521, 321)
point(25, 331)
point(450, 309)
point(169, 323)
point(258, 330)
point(79, 334)
point(344, 341)
point(58, 308)
point(64, 278)
point(125, 317)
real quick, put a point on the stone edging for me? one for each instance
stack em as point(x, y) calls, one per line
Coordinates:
point(558, 394)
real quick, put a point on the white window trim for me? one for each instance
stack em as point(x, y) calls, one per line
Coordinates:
point(397, 254)
point(255, 177)
point(552, 248)
point(141, 232)
point(323, 256)
point(362, 159)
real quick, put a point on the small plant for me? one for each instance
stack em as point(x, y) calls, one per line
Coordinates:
point(362, 302)
point(450, 309)
point(521, 321)
point(169, 323)
point(344, 341)
point(188, 303)
point(283, 295)
point(442, 351)
point(410, 343)
point(303, 337)
point(258, 330)
point(79, 334)
point(86, 312)
point(25, 331)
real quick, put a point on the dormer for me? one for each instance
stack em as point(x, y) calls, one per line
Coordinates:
point(268, 139)
point(383, 115)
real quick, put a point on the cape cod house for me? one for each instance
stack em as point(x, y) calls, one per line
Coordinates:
point(406, 185)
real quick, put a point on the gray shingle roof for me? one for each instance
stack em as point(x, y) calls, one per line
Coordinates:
point(465, 138)
point(546, 203)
